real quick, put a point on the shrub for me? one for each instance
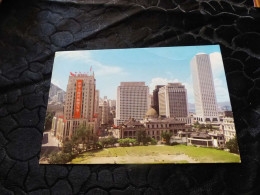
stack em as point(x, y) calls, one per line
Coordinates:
point(174, 143)
point(98, 146)
point(109, 141)
point(67, 147)
point(127, 141)
point(153, 141)
point(60, 158)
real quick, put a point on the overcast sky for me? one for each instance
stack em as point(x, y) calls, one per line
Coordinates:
point(155, 66)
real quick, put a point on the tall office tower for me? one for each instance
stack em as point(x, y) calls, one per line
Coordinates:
point(204, 90)
point(173, 100)
point(104, 111)
point(155, 104)
point(132, 101)
point(79, 107)
point(80, 100)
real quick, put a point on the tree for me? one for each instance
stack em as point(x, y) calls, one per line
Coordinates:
point(107, 141)
point(153, 141)
point(167, 136)
point(142, 137)
point(232, 145)
point(67, 147)
point(82, 136)
point(196, 124)
point(112, 140)
point(95, 141)
point(48, 121)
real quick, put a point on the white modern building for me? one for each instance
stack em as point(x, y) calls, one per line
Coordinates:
point(204, 89)
point(173, 100)
point(132, 101)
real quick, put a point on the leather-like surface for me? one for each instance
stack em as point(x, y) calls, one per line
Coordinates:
point(31, 32)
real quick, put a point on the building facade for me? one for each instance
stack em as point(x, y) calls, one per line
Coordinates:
point(173, 100)
point(153, 126)
point(132, 101)
point(204, 89)
point(228, 126)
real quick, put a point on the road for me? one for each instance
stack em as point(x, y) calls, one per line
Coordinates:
point(49, 140)
point(49, 144)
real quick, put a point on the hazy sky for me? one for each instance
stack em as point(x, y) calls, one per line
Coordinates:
point(155, 66)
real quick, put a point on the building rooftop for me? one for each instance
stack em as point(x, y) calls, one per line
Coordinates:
point(201, 53)
point(166, 120)
point(200, 135)
point(132, 83)
point(151, 112)
point(132, 122)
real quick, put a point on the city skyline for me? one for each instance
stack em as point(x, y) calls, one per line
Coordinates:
point(174, 66)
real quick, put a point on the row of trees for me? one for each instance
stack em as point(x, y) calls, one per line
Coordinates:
point(82, 140)
point(142, 139)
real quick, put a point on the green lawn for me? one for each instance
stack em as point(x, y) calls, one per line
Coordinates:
point(199, 155)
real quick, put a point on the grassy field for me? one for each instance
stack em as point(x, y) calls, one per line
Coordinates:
point(156, 154)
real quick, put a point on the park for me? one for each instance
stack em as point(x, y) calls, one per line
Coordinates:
point(85, 148)
point(155, 154)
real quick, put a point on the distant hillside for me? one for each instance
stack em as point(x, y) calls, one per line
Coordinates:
point(54, 89)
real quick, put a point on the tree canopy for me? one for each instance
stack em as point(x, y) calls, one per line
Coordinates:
point(232, 145)
point(167, 136)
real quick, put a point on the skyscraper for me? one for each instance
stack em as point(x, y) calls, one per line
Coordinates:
point(79, 107)
point(173, 100)
point(80, 100)
point(132, 101)
point(155, 104)
point(204, 90)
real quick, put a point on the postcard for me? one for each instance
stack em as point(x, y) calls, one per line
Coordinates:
point(257, 3)
point(139, 106)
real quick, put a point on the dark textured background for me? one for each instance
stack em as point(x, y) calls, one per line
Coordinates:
point(30, 33)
